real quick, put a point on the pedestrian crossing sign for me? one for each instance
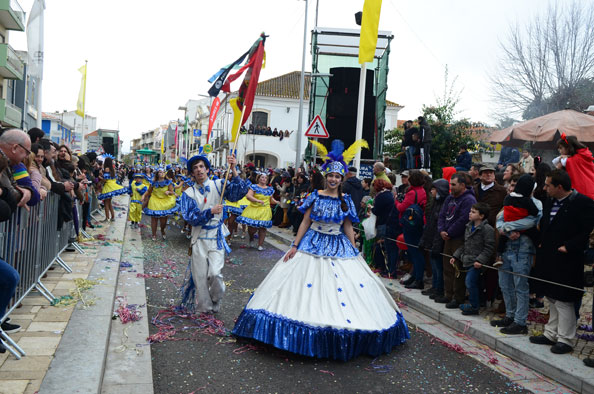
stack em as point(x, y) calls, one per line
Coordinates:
point(317, 129)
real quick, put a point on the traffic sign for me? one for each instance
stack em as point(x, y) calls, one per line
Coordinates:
point(317, 129)
point(207, 148)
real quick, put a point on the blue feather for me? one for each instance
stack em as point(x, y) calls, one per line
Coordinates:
point(337, 149)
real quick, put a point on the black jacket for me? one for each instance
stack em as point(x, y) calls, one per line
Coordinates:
point(425, 136)
point(7, 204)
point(354, 187)
point(382, 205)
point(431, 239)
point(571, 228)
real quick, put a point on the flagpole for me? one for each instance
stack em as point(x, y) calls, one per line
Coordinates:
point(232, 150)
point(84, 105)
point(360, 109)
point(301, 92)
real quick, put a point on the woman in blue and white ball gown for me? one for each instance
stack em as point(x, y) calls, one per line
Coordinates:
point(321, 299)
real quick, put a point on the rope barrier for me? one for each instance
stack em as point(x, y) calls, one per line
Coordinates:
point(484, 265)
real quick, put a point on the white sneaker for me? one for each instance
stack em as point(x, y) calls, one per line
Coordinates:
point(250, 244)
point(260, 248)
point(405, 278)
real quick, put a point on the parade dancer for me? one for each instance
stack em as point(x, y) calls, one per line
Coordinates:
point(321, 299)
point(137, 190)
point(161, 202)
point(110, 188)
point(201, 208)
point(258, 215)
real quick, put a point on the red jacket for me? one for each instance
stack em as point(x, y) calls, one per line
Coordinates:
point(581, 171)
point(409, 199)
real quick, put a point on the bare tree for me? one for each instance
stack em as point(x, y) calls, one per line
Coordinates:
point(545, 61)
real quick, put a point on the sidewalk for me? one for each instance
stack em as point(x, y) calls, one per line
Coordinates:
point(67, 345)
point(567, 369)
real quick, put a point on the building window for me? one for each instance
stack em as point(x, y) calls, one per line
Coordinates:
point(259, 118)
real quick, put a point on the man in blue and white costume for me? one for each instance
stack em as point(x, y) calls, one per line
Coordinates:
point(321, 299)
point(201, 208)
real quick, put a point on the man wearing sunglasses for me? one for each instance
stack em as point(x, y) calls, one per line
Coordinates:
point(15, 145)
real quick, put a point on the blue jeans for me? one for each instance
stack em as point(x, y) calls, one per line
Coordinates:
point(392, 252)
point(415, 254)
point(410, 158)
point(437, 268)
point(472, 284)
point(9, 279)
point(517, 257)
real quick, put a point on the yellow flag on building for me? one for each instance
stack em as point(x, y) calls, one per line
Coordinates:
point(80, 105)
point(162, 144)
point(369, 27)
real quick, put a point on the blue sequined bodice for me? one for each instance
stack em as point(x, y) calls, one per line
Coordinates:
point(325, 237)
point(328, 209)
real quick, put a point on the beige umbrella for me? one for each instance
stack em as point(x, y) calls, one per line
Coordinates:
point(545, 130)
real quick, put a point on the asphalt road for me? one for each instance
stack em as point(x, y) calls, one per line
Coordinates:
point(196, 360)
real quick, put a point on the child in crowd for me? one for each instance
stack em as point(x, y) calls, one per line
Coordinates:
point(137, 190)
point(576, 159)
point(479, 243)
point(518, 204)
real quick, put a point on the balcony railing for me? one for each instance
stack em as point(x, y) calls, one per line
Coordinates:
point(10, 114)
point(11, 65)
point(12, 16)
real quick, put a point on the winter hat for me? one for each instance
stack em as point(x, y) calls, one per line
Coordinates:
point(525, 186)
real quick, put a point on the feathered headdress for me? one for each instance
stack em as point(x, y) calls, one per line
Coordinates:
point(106, 155)
point(336, 160)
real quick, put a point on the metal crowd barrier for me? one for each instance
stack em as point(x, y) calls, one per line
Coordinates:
point(94, 208)
point(30, 243)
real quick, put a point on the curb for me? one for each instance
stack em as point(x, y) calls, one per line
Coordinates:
point(79, 361)
point(566, 369)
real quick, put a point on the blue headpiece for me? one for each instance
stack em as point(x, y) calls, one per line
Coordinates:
point(138, 175)
point(334, 160)
point(106, 155)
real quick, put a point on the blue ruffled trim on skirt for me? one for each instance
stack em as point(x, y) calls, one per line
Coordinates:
point(114, 193)
point(321, 342)
point(167, 212)
point(234, 210)
point(254, 223)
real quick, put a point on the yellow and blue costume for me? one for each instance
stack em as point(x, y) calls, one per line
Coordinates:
point(255, 214)
point(160, 203)
point(137, 190)
point(111, 188)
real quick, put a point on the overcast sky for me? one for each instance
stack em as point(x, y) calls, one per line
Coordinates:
point(146, 58)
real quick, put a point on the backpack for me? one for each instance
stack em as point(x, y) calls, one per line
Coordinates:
point(412, 217)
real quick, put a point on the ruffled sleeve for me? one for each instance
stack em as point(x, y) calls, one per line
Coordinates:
point(192, 214)
point(308, 201)
point(352, 210)
point(236, 189)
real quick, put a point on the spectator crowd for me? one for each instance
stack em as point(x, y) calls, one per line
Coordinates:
point(31, 168)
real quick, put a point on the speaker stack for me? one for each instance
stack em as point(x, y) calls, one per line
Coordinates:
point(341, 108)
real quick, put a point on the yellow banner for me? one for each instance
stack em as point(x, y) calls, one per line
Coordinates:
point(80, 104)
point(369, 27)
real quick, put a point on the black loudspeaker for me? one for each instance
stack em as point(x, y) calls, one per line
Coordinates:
point(108, 145)
point(341, 109)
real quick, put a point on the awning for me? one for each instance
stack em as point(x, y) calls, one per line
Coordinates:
point(146, 152)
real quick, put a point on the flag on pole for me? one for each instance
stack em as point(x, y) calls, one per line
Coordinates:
point(214, 109)
point(35, 39)
point(247, 90)
point(221, 75)
point(80, 105)
point(163, 144)
point(369, 27)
